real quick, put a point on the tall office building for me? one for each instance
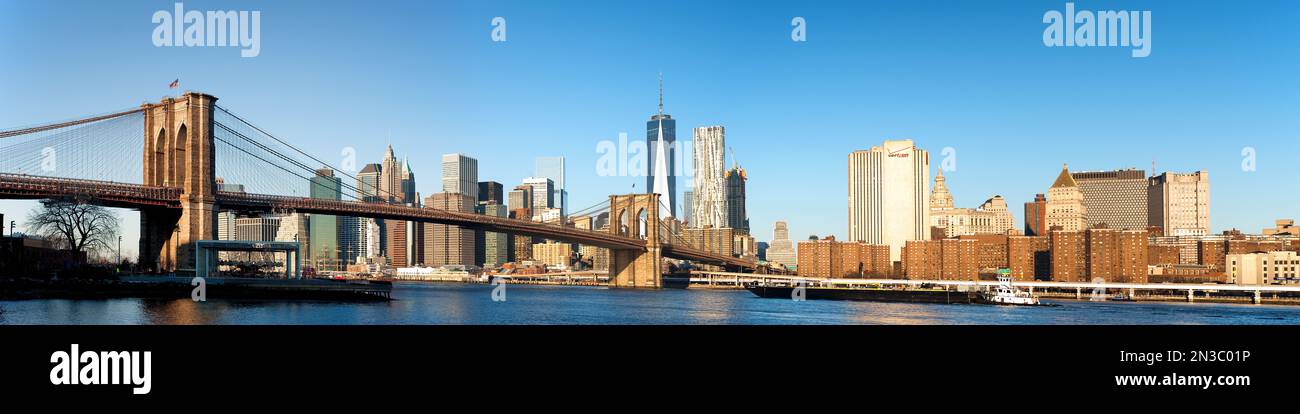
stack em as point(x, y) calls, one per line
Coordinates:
point(450, 245)
point(257, 228)
point(390, 178)
point(368, 181)
point(1036, 216)
point(416, 236)
point(225, 219)
point(373, 239)
point(408, 185)
point(661, 143)
point(397, 186)
point(325, 252)
point(1115, 198)
point(1180, 203)
point(710, 186)
point(226, 225)
point(737, 217)
point(351, 238)
point(460, 175)
point(542, 190)
point(493, 249)
point(888, 190)
point(688, 207)
point(491, 191)
point(520, 197)
point(396, 247)
point(370, 237)
point(1065, 206)
point(781, 249)
point(355, 239)
point(553, 168)
point(446, 244)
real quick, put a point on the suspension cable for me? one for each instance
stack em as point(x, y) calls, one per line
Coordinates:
point(31, 130)
point(295, 149)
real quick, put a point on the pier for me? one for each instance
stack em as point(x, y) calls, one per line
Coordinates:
point(1183, 292)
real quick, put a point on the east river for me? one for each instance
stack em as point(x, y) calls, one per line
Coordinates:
point(429, 303)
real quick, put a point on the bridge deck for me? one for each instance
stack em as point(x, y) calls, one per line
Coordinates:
point(17, 186)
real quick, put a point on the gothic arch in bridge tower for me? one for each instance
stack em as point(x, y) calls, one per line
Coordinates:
point(623, 226)
point(643, 221)
point(639, 267)
point(178, 154)
point(154, 158)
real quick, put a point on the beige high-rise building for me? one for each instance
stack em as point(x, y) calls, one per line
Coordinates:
point(446, 244)
point(553, 253)
point(992, 217)
point(599, 257)
point(713, 240)
point(744, 245)
point(1065, 204)
point(1180, 203)
point(258, 228)
point(460, 175)
point(889, 186)
point(709, 202)
point(781, 250)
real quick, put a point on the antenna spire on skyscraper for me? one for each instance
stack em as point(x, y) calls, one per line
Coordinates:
point(661, 92)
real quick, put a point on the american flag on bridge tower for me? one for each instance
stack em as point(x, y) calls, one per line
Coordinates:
point(175, 84)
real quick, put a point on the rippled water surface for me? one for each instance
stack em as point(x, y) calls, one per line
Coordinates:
point(419, 303)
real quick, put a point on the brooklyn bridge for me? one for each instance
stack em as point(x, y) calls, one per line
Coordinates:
point(163, 159)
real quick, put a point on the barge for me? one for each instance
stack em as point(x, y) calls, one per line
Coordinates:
point(864, 294)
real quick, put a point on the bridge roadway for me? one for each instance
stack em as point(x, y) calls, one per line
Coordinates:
point(111, 194)
point(260, 202)
point(125, 195)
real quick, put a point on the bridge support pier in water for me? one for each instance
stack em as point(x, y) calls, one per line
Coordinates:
point(636, 215)
point(178, 152)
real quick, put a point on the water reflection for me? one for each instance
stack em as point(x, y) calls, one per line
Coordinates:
point(178, 312)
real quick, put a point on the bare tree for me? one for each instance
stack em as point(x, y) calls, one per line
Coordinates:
point(75, 224)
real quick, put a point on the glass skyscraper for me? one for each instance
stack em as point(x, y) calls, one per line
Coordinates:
point(661, 143)
point(553, 168)
point(324, 229)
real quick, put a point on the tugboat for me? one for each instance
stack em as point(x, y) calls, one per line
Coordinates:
point(1005, 294)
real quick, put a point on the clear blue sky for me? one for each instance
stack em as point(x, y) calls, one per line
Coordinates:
point(972, 75)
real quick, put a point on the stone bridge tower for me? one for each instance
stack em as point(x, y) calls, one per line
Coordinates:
point(178, 152)
point(636, 215)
